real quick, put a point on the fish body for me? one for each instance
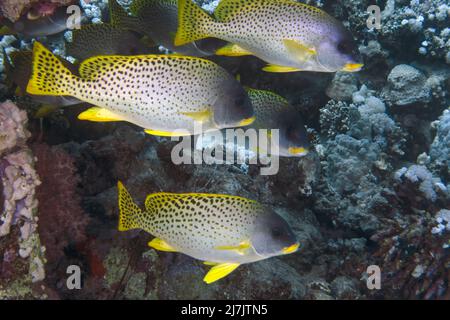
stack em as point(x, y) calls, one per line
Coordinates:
point(104, 39)
point(158, 19)
point(290, 36)
point(274, 112)
point(222, 230)
point(165, 94)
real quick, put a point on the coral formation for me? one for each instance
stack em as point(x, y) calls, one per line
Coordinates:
point(62, 221)
point(18, 219)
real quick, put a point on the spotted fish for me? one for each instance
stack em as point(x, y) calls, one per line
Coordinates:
point(224, 231)
point(165, 94)
point(288, 35)
point(158, 19)
point(104, 39)
point(274, 112)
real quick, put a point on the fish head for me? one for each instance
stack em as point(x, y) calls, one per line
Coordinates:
point(293, 137)
point(272, 236)
point(337, 50)
point(233, 107)
point(35, 24)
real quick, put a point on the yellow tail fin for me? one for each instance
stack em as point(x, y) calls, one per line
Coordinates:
point(128, 210)
point(49, 77)
point(193, 23)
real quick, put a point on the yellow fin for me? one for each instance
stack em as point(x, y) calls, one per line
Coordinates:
point(166, 133)
point(200, 116)
point(49, 76)
point(219, 271)
point(241, 248)
point(193, 23)
point(275, 68)
point(209, 263)
point(299, 50)
point(161, 245)
point(128, 210)
point(233, 50)
point(97, 114)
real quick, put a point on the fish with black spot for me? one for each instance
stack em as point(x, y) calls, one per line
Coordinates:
point(288, 35)
point(167, 95)
point(158, 19)
point(223, 231)
point(274, 112)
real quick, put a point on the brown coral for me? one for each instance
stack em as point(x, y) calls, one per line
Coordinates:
point(62, 221)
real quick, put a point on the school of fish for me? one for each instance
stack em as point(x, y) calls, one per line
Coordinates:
point(121, 76)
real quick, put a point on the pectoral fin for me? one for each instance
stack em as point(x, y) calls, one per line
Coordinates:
point(219, 271)
point(299, 50)
point(233, 50)
point(200, 116)
point(166, 133)
point(241, 248)
point(161, 245)
point(280, 69)
point(97, 114)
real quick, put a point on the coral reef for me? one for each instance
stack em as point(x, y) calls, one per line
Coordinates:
point(62, 221)
point(406, 85)
point(21, 253)
point(440, 148)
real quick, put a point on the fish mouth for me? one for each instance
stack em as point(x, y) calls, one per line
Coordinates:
point(298, 151)
point(247, 121)
point(353, 67)
point(291, 249)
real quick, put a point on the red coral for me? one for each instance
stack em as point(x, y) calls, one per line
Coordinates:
point(62, 221)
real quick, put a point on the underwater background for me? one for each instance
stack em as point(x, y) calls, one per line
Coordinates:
point(373, 190)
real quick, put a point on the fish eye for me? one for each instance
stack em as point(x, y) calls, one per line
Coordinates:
point(276, 232)
point(345, 46)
